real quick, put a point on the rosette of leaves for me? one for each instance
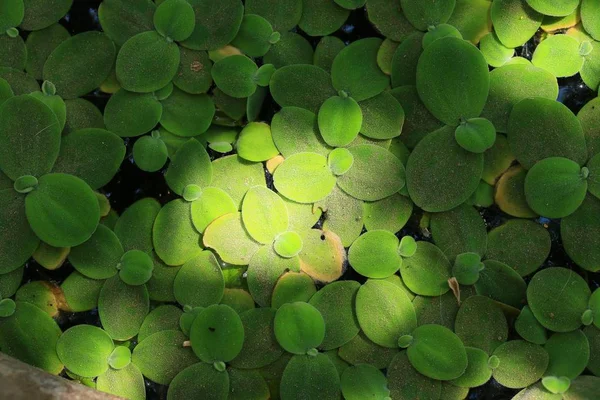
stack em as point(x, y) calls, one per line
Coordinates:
point(259, 237)
point(52, 199)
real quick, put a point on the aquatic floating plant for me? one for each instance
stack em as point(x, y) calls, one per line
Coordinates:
point(325, 227)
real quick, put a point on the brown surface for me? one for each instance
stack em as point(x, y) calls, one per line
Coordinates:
point(20, 381)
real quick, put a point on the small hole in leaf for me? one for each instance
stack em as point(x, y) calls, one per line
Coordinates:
point(211, 329)
point(322, 237)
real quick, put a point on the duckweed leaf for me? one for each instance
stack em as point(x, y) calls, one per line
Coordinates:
point(186, 114)
point(12, 12)
point(190, 166)
point(134, 226)
point(254, 36)
point(194, 75)
point(85, 350)
point(355, 70)
point(405, 382)
point(82, 114)
point(589, 18)
point(388, 18)
point(41, 14)
point(290, 49)
point(292, 287)
point(235, 176)
point(553, 132)
point(288, 244)
point(460, 230)
point(304, 177)
point(363, 381)
point(212, 203)
point(466, 268)
point(578, 233)
point(260, 346)
point(437, 352)
point(506, 244)
point(515, 22)
point(127, 382)
point(371, 160)
point(295, 130)
point(375, 254)
point(131, 114)
point(54, 214)
point(18, 240)
point(200, 379)
point(161, 356)
point(438, 32)
point(321, 18)
point(234, 75)
point(20, 82)
point(283, 15)
point(569, 354)
point(148, 70)
point(478, 372)
point(305, 86)
point(98, 257)
point(150, 153)
point(521, 363)
point(510, 193)
point(228, 237)
point(323, 256)
point(255, 142)
point(340, 161)
point(475, 135)
point(120, 357)
point(299, 327)
point(326, 51)
point(202, 272)
point(454, 89)
point(14, 52)
point(119, 322)
point(29, 138)
point(528, 327)
point(217, 23)
point(384, 312)
point(390, 213)
point(556, 385)
point(424, 14)
point(552, 8)
point(559, 55)
point(340, 119)
point(103, 153)
point(405, 59)
point(80, 64)
point(383, 117)
point(560, 182)
point(217, 334)
point(427, 271)
point(501, 283)
point(547, 296)
point(122, 20)
point(174, 236)
point(174, 19)
point(480, 323)
point(7, 308)
point(162, 318)
point(135, 268)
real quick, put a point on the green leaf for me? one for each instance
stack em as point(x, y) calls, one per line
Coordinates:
point(187, 114)
point(63, 211)
point(161, 356)
point(7, 308)
point(323, 256)
point(202, 380)
point(556, 385)
point(235, 176)
point(523, 245)
point(515, 22)
point(98, 257)
point(295, 130)
point(40, 14)
point(450, 181)
point(475, 135)
point(282, 14)
point(390, 213)
point(228, 237)
point(590, 12)
point(547, 293)
point(405, 382)
point(375, 254)
point(254, 36)
point(384, 312)
point(481, 323)
point(529, 328)
point(340, 119)
point(255, 142)
point(389, 19)
point(123, 19)
point(383, 117)
point(304, 86)
point(437, 352)
point(212, 204)
point(199, 283)
point(555, 187)
point(12, 12)
point(405, 59)
point(292, 287)
point(122, 323)
point(189, 166)
point(93, 155)
point(82, 114)
point(131, 114)
point(29, 137)
point(80, 292)
point(439, 32)
point(321, 18)
point(150, 69)
point(150, 153)
point(160, 319)
point(17, 240)
point(288, 244)
point(501, 283)
point(370, 161)
point(85, 350)
point(234, 75)
point(554, 8)
point(424, 14)
point(510, 193)
point(319, 370)
point(194, 75)
point(466, 268)
point(134, 226)
point(14, 52)
point(135, 267)
point(578, 234)
point(569, 354)
point(304, 178)
point(559, 55)
point(175, 238)
point(326, 51)
point(335, 302)
point(453, 80)
point(217, 334)
point(355, 70)
point(217, 23)
point(427, 271)
point(363, 381)
point(521, 363)
point(175, 19)
point(127, 382)
point(299, 327)
point(260, 346)
point(478, 372)
point(120, 357)
point(80, 64)
point(20, 82)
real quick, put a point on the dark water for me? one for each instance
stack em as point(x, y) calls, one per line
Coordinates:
point(131, 184)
